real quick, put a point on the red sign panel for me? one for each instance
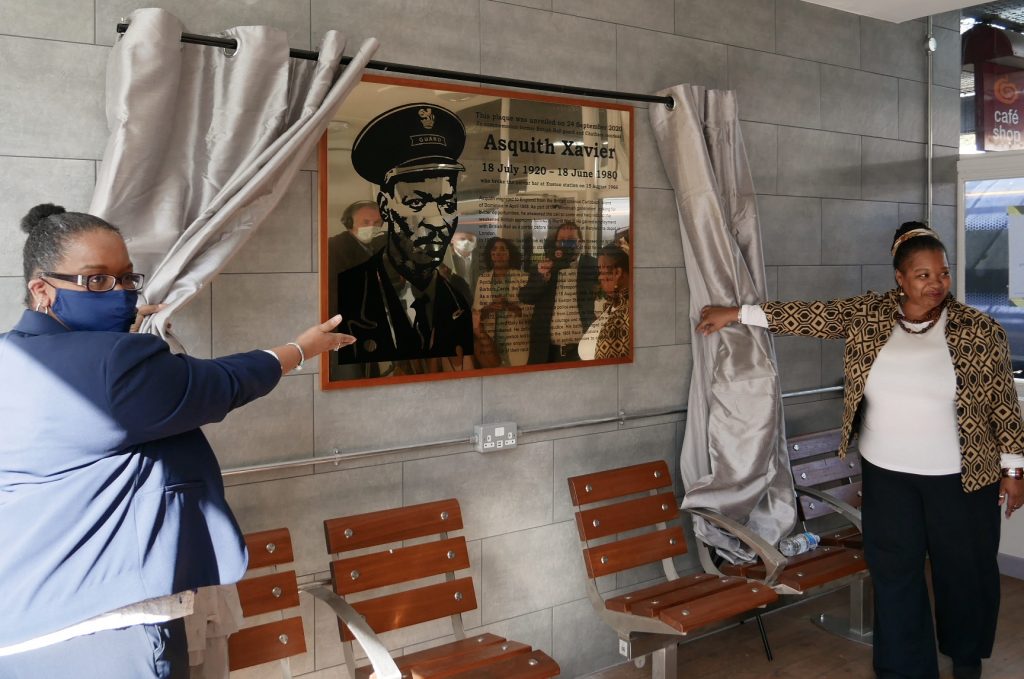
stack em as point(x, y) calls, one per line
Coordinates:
point(999, 108)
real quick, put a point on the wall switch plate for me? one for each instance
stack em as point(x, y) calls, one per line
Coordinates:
point(495, 436)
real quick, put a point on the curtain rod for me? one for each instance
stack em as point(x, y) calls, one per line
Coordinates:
point(406, 69)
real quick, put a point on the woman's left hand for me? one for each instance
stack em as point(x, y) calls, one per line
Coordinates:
point(714, 318)
point(1011, 492)
point(143, 311)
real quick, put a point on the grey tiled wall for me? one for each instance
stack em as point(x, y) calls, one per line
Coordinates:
point(833, 110)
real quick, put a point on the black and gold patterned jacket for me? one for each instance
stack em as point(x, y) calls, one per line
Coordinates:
point(615, 339)
point(988, 413)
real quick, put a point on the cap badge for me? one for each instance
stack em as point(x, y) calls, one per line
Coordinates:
point(427, 118)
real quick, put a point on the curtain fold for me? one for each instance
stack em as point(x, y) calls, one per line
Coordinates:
point(733, 458)
point(205, 142)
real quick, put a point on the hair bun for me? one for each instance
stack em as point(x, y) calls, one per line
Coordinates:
point(39, 213)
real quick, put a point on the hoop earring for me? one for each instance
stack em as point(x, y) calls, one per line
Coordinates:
point(41, 308)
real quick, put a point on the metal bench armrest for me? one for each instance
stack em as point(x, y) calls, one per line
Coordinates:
point(383, 664)
point(847, 511)
point(773, 560)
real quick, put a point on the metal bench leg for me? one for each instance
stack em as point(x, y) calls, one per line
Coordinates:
point(664, 662)
point(856, 627)
point(764, 638)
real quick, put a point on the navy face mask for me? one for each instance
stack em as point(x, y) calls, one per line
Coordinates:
point(112, 311)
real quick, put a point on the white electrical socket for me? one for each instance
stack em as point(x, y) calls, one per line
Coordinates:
point(495, 436)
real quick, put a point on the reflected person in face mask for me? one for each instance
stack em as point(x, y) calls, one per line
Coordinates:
point(464, 258)
point(362, 237)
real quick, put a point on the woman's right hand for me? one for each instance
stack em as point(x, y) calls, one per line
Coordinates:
point(714, 318)
point(320, 338)
point(314, 341)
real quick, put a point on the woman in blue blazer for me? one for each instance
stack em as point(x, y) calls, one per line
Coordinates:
point(112, 508)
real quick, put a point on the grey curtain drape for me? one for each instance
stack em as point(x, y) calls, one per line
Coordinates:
point(204, 143)
point(733, 458)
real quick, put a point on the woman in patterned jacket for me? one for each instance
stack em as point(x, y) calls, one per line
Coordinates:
point(609, 335)
point(930, 393)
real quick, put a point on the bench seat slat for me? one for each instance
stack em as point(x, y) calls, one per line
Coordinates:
point(269, 548)
point(810, 569)
point(392, 525)
point(651, 607)
point(620, 482)
point(262, 643)
point(482, 657)
point(452, 649)
point(389, 567)
point(535, 665)
point(392, 611)
point(845, 537)
point(616, 556)
point(256, 595)
point(816, 573)
point(622, 602)
point(826, 470)
point(626, 516)
point(715, 608)
point(755, 569)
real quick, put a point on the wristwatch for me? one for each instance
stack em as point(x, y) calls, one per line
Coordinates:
point(1013, 473)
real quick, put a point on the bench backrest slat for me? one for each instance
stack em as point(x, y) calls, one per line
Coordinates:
point(269, 548)
point(263, 643)
point(849, 493)
point(619, 482)
point(392, 525)
point(636, 551)
point(414, 606)
point(274, 592)
point(389, 567)
point(809, 445)
point(826, 470)
point(621, 517)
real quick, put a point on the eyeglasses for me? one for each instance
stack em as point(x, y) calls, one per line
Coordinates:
point(101, 282)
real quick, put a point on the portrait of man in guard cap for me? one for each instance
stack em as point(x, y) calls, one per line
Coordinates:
point(397, 304)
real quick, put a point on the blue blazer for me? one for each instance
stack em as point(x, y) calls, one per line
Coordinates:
point(109, 493)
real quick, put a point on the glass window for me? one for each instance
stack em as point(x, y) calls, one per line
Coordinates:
point(993, 255)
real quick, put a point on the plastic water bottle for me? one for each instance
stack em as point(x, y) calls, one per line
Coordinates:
point(798, 544)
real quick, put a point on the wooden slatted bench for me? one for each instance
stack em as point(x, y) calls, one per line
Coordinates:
point(277, 591)
point(818, 472)
point(653, 620)
point(829, 488)
point(371, 557)
point(825, 485)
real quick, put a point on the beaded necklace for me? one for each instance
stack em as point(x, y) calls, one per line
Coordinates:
point(931, 318)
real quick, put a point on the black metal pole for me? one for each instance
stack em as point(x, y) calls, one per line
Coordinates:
point(405, 69)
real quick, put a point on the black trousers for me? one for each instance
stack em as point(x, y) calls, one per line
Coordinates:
point(909, 516)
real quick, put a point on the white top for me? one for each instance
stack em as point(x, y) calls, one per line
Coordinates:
point(588, 345)
point(908, 421)
point(148, 612)
point(920, 379)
